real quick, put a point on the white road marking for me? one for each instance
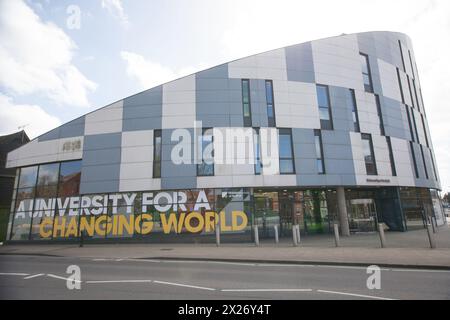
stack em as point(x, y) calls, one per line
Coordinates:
point(34, 276)
point(266, 290)
point(285, 265)
point(183, 285)
point(143, 260)
point(419, 270)
point(348, 267)
point(119, 281)
point(62, 278)
point(354, 295)
point(14, 274)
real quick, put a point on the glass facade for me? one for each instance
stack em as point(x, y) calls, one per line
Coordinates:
point(285, 151)
point(369, 156)
point(323, 99)
point(351, 101)
point(246, 103)
point(270, 104)
point(367, 76)
point(157, 149)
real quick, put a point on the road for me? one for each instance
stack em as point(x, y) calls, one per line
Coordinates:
point(43, 277)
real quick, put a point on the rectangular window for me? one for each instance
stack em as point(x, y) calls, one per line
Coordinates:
point(434, 166)
point(391, 157)
point(402, 94)
point(369, 155)
point(424, 162)
point(47, 182)
point(246, 104)
point(415, 125)
point(319, 152)
point(157, 146)
point(270, 104)
point(206, 167)
point(323, 99)
point(380, 114)
point(351, 99)
point(410, 123)
point(415, 94)
point(401, 55)
point(285, 151)
point(411, 62)
point(425, 130)
point(410, 91)
point(416, 170)
point(367, 76)
point(69, 178)
point(257, 150)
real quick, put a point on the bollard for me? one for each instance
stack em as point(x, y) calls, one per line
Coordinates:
point(217, 235)
point(382, 237)
point(297, 228)
point(277, 240)
point(294, 236)
point(337, 241)
point(431, 237)
point(256, 235)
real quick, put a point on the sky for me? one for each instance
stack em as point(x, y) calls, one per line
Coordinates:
point(61, 59)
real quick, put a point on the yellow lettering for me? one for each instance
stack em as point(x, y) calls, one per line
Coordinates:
point(211, 219)
point(128, 223)
point(59, 227)
point(45, 233)
point(170, 223)
point(100, 223)
point(147, 226)
point(87, 226)
point(72, 228)
point(180, 222)
point(223, 222)
point(234, 220)
point(188, 225)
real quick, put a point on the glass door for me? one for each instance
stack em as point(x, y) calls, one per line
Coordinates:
point(363, 215)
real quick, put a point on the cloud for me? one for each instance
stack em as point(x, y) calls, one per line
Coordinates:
point(36, 58)
point(13, 116)
point(115, 8)
point(150, 74)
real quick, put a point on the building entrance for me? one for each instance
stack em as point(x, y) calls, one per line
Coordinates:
point(363, 215)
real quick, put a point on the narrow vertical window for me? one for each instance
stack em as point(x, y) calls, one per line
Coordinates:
point(415, 125)
point(257, 150)
point(434, 166)
point(402, 94)
point(401, 55)
point(206, 167)
point(391, 156)
point(157, 146)
point(286, 151)
point(270, 104)
point(425, 131)
point(369, 156)
point(380, 114)
point(410, 123)
point(367, 76)
point(246, 104)
point(323, 99)
point(319, 152)
point(351, 99)
point(410, 91)
point(413, 155)
point(424, 163)
point(415, 94)
point(411, 62)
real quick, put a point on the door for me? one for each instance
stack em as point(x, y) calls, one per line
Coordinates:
point(363, 215)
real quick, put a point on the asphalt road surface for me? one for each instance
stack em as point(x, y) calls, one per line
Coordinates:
point(41, 277)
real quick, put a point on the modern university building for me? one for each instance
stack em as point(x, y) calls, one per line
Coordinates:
point(318, 133)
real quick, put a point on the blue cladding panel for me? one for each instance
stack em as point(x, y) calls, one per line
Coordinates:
point(143, 111)
point(299, 63)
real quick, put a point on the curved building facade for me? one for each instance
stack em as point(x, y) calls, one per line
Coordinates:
point(323, 132)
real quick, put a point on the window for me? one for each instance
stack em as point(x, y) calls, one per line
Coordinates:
point(410, 123)
point(323, 98)
point(415, 94)
point(69, 178)
point(434, 166)
point(47, 180)
point(157, 150)
point(415, 125)
point(380, 114)
point(351, 99)
point(400, 85)
point(257, 150)
point(425, 130)
point(391, 156)
point(319, 152)
point(401, 55)
point(270, 104)
point(246, 104)
point(410, 91)
point(285, 151)
point(411, 146)
point(424, 163)
point(369, 157)
point(411, 62)
point(206, 167)
point(367, 76)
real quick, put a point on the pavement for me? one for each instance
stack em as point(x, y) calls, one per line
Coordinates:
point(45, 277)
point(410, 249)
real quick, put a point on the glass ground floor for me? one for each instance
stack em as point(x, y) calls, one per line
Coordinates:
point(195, 216)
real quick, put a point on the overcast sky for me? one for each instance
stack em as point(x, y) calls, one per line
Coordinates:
point(51, 71)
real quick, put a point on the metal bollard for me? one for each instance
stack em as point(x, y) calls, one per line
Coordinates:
point(431, 237)
point(217, 235)
point(297, 228)
point(277, 240)
point(294, 236)
point(382, 236)
point(256, 235)
point(337, 240)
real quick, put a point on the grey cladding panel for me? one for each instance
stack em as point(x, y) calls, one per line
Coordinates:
point(299, 63)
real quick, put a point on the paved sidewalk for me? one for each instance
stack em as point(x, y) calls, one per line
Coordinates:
point(405, 250)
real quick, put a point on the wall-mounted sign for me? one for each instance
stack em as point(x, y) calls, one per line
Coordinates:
point(378, 180)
